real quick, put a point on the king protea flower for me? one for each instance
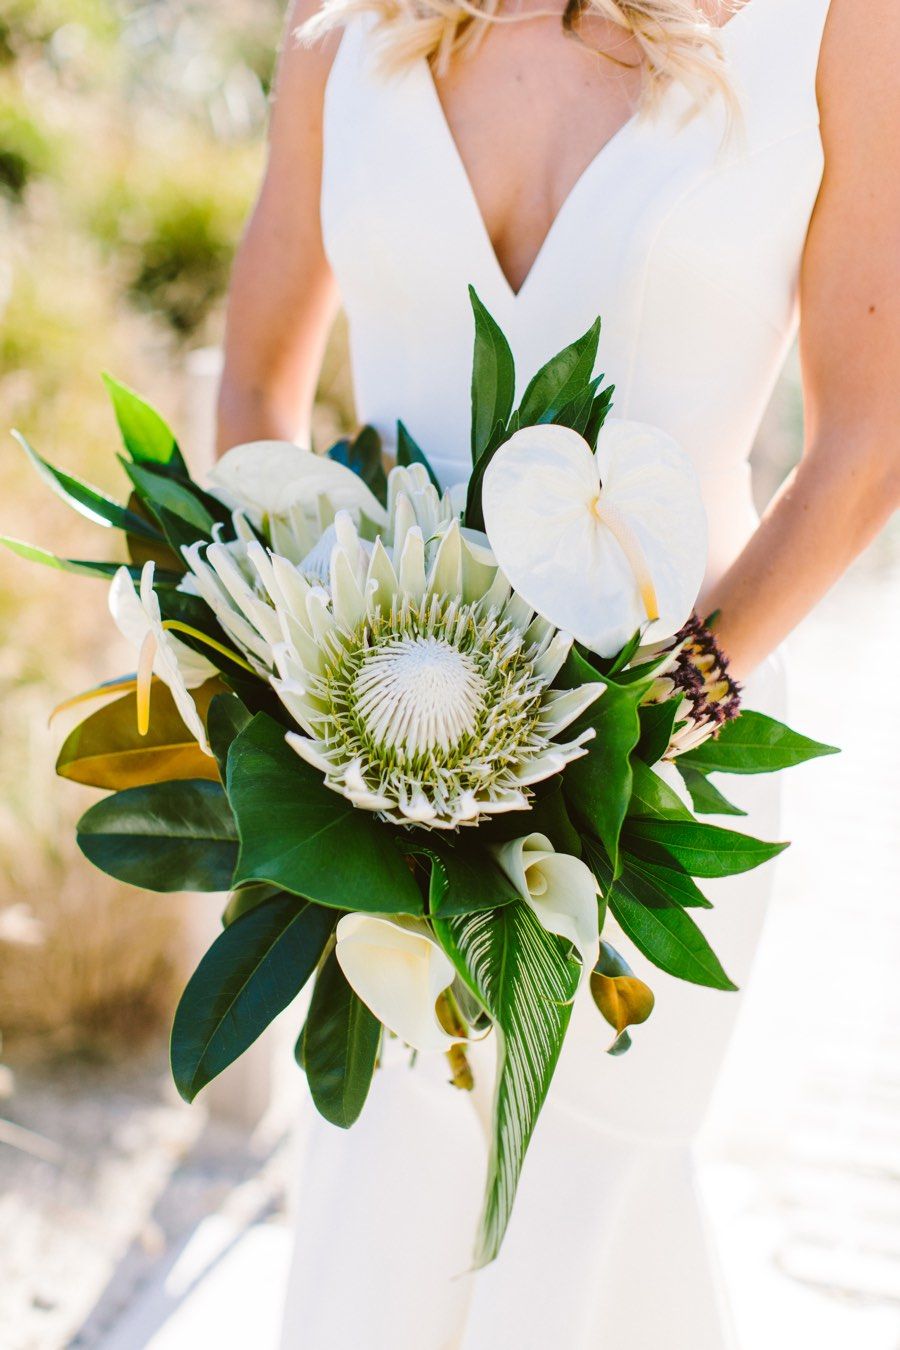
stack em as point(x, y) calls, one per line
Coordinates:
point(419, 679)
point(696, 670)
point(603, 544)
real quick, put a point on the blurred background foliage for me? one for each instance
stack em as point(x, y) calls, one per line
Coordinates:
point(131, 142)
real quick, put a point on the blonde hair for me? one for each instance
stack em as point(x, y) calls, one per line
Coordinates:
point(676, 42)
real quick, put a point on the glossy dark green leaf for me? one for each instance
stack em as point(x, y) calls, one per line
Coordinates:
point(362, 456)
point(246, 898)
point(599, 413)
point(657, 725)
point(252, 971)
point(87, 500)
point(177, 836)
point(298, 834)
point(225, 720)
point(702, 850)
point(526, 980)
point(706, 797)
point(159, 491)
point(755, 743)
point(598, 786)
point(338, 1047)
point(82, 567)
point(546, 815)
point(562, 379)
point(661, 929)
point(493, 379)
point(652, 798)
point(408, 452)
point(144, 432)
point(464, 875)
point(675, 883)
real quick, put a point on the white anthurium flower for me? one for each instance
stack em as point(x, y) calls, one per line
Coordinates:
point(561, 890)
point(138, 618)
point(398, 970)
point(290, 492)
point(600, 544)
point(420, 681)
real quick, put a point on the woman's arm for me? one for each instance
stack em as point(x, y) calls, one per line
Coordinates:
point(283, 297)
point(848, 480)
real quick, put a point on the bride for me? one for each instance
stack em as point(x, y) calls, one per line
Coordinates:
point(700, 177)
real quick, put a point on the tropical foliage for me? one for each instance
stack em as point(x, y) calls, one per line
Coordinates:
point(366, 717)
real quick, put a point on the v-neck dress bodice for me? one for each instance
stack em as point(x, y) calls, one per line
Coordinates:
point(689, 248)
point(690, 252)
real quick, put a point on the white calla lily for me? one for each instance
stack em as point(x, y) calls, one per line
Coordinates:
point(138, 618)
point(600, 544)
point(398, 970)
point(267, 478)
point(561, 890)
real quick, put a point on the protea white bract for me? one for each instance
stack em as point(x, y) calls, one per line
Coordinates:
point(421, 682)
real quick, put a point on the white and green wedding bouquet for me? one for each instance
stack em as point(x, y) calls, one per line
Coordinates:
point(427, 736)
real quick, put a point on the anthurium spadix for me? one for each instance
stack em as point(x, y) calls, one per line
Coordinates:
point(561, 890)
point(138, 618)
point(398, 970)
point(600, 544)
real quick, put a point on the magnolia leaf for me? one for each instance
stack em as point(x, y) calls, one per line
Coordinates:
point(660, 928)
point(623, 999)
point(754, 743)
point(249, 975)
point(226, 718)
point(526, 980)
point(408, 452)
point(298, 834)
point(106, 750)
point(362, 456)
point(702, 850)
point(562, 379)
point(173, 836)
point(706, 797)
point(144, 432)
point(87, 500)
point(246, 898)
point(338, 1047)
point(493, 380)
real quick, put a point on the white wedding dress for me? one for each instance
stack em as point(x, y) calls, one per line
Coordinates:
point(690, 252)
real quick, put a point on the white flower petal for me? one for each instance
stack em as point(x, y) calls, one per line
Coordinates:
point(399, 971)
point(544, 494)
point(561, 890)
point(269, 477)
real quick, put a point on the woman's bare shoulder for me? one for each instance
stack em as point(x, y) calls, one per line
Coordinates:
point(304, 63)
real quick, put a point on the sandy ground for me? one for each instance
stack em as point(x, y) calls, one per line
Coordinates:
point(130, 1220)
